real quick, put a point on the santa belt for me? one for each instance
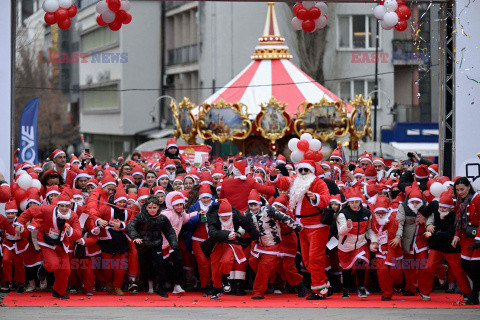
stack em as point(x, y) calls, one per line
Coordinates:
point(309, 215)
point(14, 241)
point(286, 234)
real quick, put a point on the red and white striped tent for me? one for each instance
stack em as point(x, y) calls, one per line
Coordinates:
point(272, 74)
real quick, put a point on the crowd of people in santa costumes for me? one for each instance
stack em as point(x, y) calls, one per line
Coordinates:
point(231, 225)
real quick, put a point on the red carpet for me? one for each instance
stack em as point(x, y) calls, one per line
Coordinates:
point(44, 299)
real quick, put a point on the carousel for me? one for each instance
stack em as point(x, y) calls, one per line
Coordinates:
point(270, 102)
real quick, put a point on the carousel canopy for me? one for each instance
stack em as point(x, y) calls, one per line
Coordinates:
point(272, 74)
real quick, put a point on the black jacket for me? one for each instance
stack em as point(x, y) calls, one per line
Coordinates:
point(333, 189)
point(216, 234)
point(442, 237)
point(150, 230)
point(407, 179)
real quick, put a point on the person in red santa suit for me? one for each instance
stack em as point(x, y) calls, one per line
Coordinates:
point(264, 257)
point(57, 226)
point(100, 196)
point(354, 226)
point(5, 192)
point(13, 246)
point(60, 160)
point(365, 159)
point(308, 197)
point(224, 244)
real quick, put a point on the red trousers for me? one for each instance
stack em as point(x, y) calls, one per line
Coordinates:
point(436, 269)
point(13, 265)
point(187, 257)
point(288, 271)
point(313, 243)
point(58, 262)
point(132, 260)
point(415, 269)
point(222, 260)
point(203, 264)
point(385, 280)
point(264, 267)
point(82, 272)
point(114, 268)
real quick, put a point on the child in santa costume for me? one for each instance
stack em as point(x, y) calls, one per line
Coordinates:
point(353, 224)
point(224, 245)
point(264, 254)
point(57, 226)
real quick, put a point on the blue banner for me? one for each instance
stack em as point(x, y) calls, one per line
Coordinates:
point(28, 133)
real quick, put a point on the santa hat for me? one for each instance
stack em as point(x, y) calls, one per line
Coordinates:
point(306, 164)
point(358, 172)
point(56, 153)
point(446, 199)
point(389, 183)
point(74, 160)
point(169, 164)
point(206, 178)
point(82, 174)
point(186, 194)
point(178, 199)
point(162, 173)
point(64, 198)
point(194, 174)
point(371, 190)
point(137, 171)
point(319, 172)
point(421, 171)
point(119, 195)
point(382, 204)
point(178, 178)
point(132, 197)
point(158, 189)
point(370, 172)
point(37, 169)
point(336, 155)
point(77, 194)
point(336, 198)
point(433, 168)
point(289, 166)
point(224, 209)
point(129, 179)
point(366, 156)
point(254, 197)
point(11, 206)
point(204, 191)
point(340, 183)
point(239, 168)
point(379, 160)
point(172, 142)
point(143, 193)
point(258, 177)
point(353, 194)
point(415, 193)
point(218, 172)
point(282, 201)
point(281, 159)
point(113, 172)
point(261, 168)
point(52, 190)
point(93, 182)
point(108, 180)
point(89, 170)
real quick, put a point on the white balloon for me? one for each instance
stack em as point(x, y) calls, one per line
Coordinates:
point(308, 4)
point(37, 184)
point(101, 7)
point(391, 19)
point(24, 181)
point(23, 205)
point(65, 3)
point(296, 23)
point(321, 22)
point(50, 5)
point(322, 6)
point(306, 136)
point(20, 172)
point(125, 5)
point(379, 12)
point(296, 156)
point(384, 25)
point(437, 188)
point(391, 5)
point(292, 144)
point(315, 145)
point(108, 16)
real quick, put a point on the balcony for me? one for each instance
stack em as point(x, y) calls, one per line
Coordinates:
point(183, 55)
point(173, 4)
point(410, 113)
point(405, 53)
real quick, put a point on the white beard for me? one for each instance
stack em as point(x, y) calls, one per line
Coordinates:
point(227, 225)
point(64, 216)
point(380, 174)
point(204, 207)
point(414, 208)
point(382, 221)
point(171, 176)
point(328, 175)
point(299, 188)
point(443, 214)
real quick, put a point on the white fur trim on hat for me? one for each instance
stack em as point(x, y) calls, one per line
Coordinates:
point(417, 199)
point(280, 204)
point(182, 201)
point(120, 199)
point(354, 199)
point(63, 202)
point(162, 191)
point(380, 208)
point(142, 197)
point(170, 165)
point(171, 145)
point(305, 166)
point(225, 214)
point(378, 160)
point(336, 157)
point(59, 153)
point(203, 195)
point(238, 174)
point(445, 205)
point(52, 191)
point(137, 174)
point(254, 201)
point(108, 183)
point(335, 200)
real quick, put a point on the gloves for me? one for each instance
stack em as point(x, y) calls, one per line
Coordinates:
point(298, 228)
point(95, 231)
point(475, 245)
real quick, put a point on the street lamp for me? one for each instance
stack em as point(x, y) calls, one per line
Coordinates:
point(160, 111)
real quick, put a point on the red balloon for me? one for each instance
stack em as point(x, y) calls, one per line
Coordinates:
point(381, 2)
point(303, 144)
point(14, 186)
point(401, 25)
point(64, 24)
point(72, 11)
point(309, 155)
point(403, 12)
point(20, 195)
point(34, 175)
point(61, 14)
point(115, 26)
point(120, 16)
point(296, 7)
point(100, 21)
point(114, 5)
point(128, 19)
point(318, 156)
point(302, 13)
point(50, 18)
point(308, 25)
point(314, 13)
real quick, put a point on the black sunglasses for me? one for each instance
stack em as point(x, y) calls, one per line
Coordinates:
point(303, 170)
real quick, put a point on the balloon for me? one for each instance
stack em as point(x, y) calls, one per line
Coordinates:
point(50, 5)
point(125, 5)
point(120, 16)
point(24, 181)
point(303, 145)
point(115, 26)
point(302, 14)
point(36, 184)
point(318, 156)
point(23, 205)
point(292, 144)
point(437, 188)
point(34, 175)
point(65, 3)
point(296, 7)
point(114, 5)
point(314, 13)
point(19, 173)
point(50, 18)
point(321, 22)
point(65, 24)
point(306, 136)
point(296, 23)
point(391, 5)
point(308, 4)
point(296, 156)
point(390, 19)
point(401, 25)
point(403, 12)
point(72, 11)
point(128, 19)
point(101, 7)
point(381, 2)
point(310, 155)
point(315, 145)
point(20, 195)
point(323, 7)
point(401, 2)
point(61, 14)
point(100, 21)
point(308, 25)
point(385, 26)
point(379, 12)
point(108, 16)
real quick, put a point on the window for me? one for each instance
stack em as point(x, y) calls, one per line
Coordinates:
point(349, 89)
point(98, 38)
point(101, 98)
point(356, 32)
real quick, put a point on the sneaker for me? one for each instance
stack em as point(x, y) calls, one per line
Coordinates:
point(43, 284)
point(177, 289)
point(31, 286)
point(118, 291)
point(301, 290)
point(57, 295)
point(226, 283)
point(208, 290)
point(258, 297)
point(132, 286)
point(361, 292)
point(276, 291)
point(89, 293)
point(408, 294)
point(162, 293)
point(21, 288)
point(315, 296)
point(109, 287)
point(345, 294)
point(270, 289)
point(73, 290)
point(386, 299)
point(216, 296)
point(6, 287)
point(425, 297)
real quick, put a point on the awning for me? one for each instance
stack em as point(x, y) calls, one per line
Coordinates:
point(425, 149)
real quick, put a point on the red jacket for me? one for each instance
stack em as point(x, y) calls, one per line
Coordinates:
point(236, 191)
point(13, 241)
point(106, 213)
point(96, 200)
